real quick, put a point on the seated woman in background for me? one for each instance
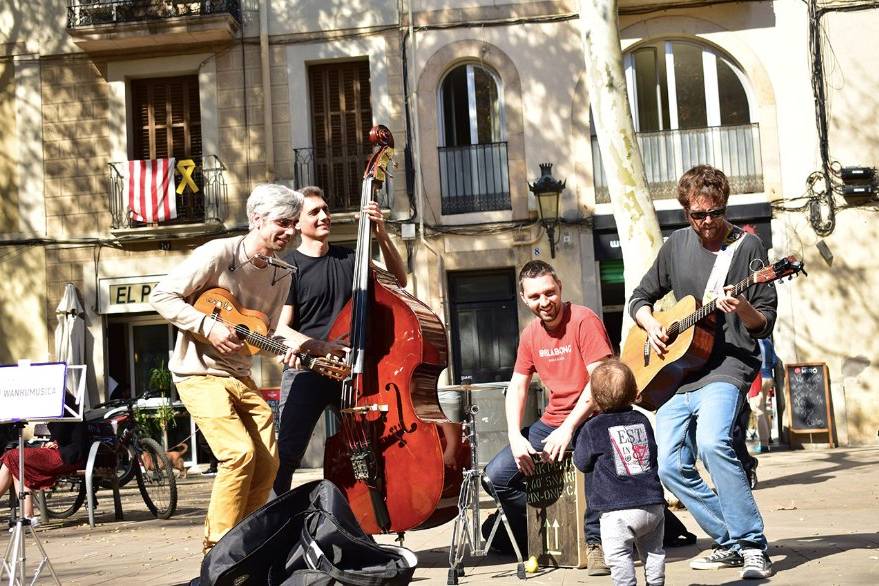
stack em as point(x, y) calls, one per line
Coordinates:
point(64, 454)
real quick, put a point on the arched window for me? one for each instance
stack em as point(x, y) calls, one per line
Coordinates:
point(470, 106)
point(472, 149)
point(691, 105)
point(679, 85)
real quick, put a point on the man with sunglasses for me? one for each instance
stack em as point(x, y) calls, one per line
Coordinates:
point(702, 260)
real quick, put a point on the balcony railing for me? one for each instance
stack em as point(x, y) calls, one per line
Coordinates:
point(735, 150)
point(206, 205)
point(474, 178)
point(88, 13)
point(339, 172)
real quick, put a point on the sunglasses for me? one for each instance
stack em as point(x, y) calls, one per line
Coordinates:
point(715, 213)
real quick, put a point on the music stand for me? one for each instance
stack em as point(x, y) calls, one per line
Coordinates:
point(32, 393)
point(466, 532)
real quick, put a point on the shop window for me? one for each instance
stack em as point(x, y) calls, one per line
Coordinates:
point(136, 350)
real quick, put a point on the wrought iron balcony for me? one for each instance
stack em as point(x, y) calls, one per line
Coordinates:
point(339, 172)
point(106, 25)
point(205, 206)
point(735, 150)
point(474, 178)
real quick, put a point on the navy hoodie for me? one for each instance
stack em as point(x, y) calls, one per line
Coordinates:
point(617, 451)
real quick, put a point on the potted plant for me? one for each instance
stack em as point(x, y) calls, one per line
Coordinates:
point(160, 379)
point(159, 419)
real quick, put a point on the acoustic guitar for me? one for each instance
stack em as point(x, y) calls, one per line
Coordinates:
point(690, 327)
point(252, 328)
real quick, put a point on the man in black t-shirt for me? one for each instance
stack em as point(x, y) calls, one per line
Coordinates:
point(320, 289)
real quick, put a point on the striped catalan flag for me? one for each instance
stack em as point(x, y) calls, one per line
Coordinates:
point(150, 187)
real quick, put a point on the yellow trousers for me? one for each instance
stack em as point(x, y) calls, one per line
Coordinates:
point(237, 424)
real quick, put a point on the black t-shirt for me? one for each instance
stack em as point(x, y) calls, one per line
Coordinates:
point(320, 289)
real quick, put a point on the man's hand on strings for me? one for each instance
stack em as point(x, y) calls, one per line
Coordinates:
point(657, 336)
point(376, 218)
point(224, 339)
point(729, 304)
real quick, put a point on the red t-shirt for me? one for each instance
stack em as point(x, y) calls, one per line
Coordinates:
point(756, 386)
point(560, 357)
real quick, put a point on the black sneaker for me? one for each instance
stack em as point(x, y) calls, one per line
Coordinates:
point(756, 564)
point(719, 558)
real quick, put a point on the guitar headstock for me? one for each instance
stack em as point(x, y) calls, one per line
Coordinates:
point(377, 168)
point(788, 266)
point(331, 367)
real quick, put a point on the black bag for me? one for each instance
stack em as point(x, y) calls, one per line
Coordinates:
point(306, 536)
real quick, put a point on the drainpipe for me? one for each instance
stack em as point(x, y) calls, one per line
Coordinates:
point(267, 89)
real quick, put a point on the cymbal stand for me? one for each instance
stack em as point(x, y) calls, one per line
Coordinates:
point(15, 559)
point(466, 532)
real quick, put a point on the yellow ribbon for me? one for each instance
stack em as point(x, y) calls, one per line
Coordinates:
point(185, 167)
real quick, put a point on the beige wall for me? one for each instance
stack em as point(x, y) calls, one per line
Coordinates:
point(8, 147)
point(291, 16)
point(23, 327)
point(36, 27)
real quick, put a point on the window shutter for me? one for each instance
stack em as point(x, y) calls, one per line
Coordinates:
point(166, 118)
point(166, 122)
point(341, 117)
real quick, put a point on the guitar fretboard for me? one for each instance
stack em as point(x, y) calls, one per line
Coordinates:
point(707, 309)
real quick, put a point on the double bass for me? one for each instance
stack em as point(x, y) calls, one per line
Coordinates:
point(387, 457)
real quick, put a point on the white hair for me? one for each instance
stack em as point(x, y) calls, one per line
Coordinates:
point(274, 202)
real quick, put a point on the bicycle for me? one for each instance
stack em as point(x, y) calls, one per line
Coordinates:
point(129, 453)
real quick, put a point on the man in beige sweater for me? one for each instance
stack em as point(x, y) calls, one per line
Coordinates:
point(213, 380)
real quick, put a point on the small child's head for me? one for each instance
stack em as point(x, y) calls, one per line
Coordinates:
point(613, 385)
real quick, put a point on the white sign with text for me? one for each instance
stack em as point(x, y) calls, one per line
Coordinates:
point(32, 391)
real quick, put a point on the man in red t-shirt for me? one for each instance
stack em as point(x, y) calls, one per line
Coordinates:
point(562, 346)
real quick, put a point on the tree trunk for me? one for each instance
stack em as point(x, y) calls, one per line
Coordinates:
point(635, 217)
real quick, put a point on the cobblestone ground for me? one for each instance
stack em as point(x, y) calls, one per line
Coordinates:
point(821, 510)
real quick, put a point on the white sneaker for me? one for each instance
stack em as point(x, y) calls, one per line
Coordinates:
point(757, 564)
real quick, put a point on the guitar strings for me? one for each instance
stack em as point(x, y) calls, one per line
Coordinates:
point(263, 342)
point(277, 347)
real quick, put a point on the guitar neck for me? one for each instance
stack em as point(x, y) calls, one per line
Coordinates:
point(709, 308)
point(276, 347)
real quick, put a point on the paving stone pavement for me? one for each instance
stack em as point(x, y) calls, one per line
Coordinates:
point(821, 509)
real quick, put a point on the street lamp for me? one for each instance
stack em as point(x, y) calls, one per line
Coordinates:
point(547, 190)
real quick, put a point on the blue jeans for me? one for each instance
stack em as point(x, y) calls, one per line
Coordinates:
point(701, 423)
point(509, 486)
point(304, 396)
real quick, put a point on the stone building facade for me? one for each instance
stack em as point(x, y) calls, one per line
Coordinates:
point(477, 95)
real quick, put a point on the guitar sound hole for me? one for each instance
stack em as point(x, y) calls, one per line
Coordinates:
point(242, 331)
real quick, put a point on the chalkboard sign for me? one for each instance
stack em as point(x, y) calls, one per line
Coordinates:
point(807, 386)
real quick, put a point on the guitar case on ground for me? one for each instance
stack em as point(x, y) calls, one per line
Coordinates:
point(306, 536)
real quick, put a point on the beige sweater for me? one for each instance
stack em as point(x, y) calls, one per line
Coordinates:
point(208, 267)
